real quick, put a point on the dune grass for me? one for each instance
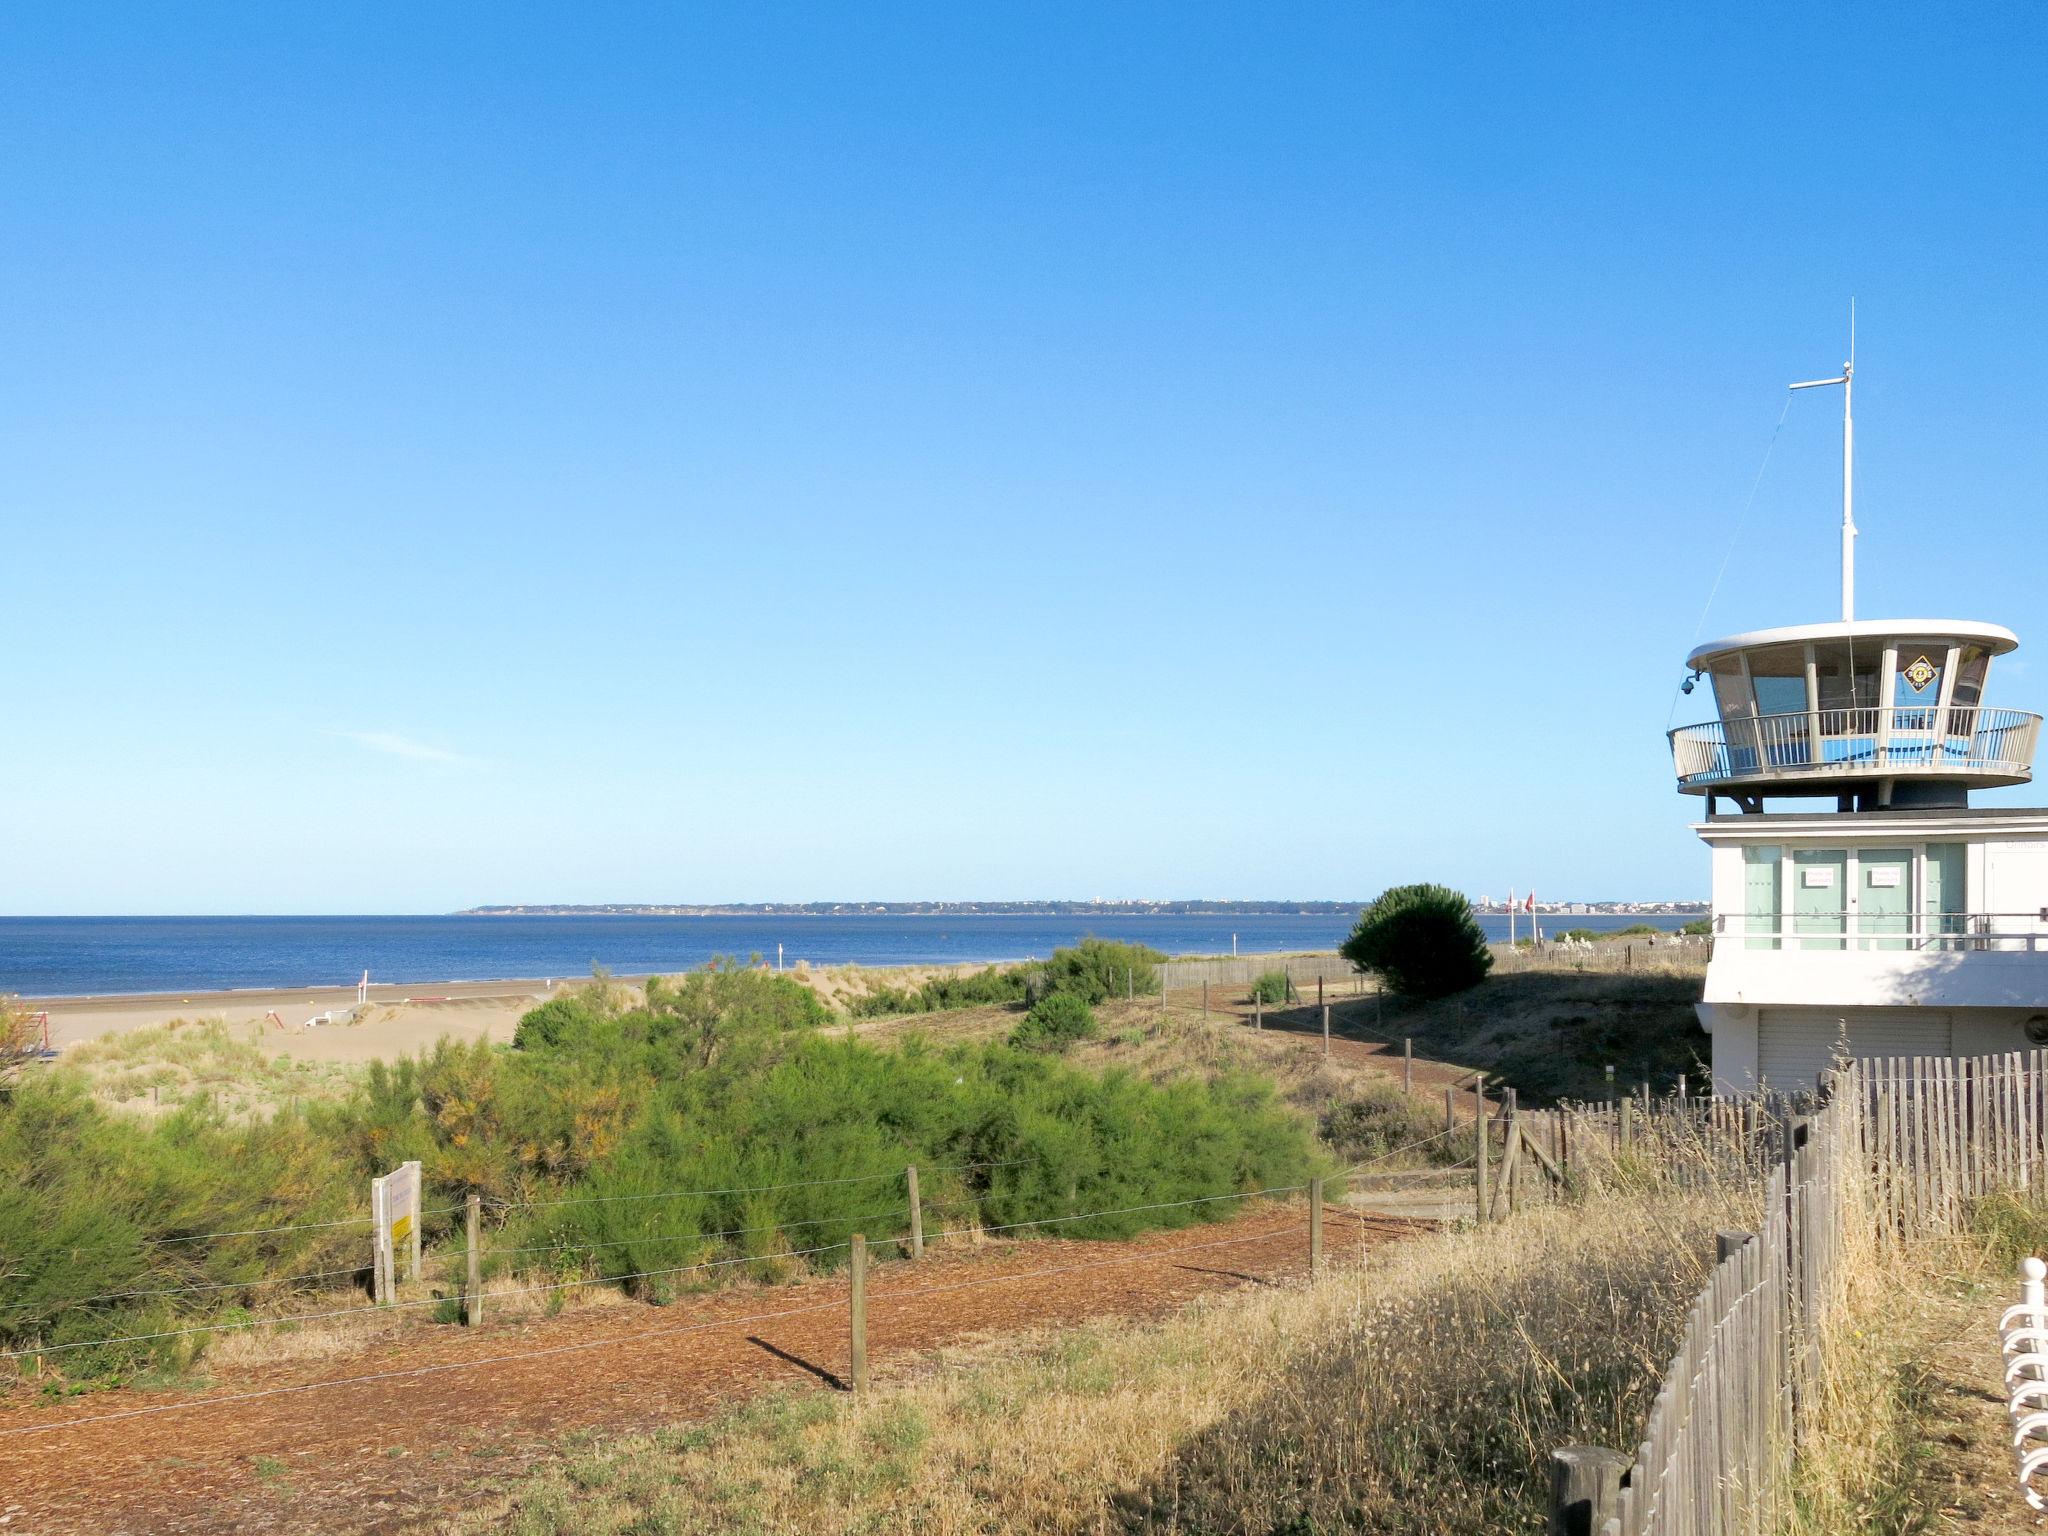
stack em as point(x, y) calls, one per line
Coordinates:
point(1420, 1392)
point(170, 1066)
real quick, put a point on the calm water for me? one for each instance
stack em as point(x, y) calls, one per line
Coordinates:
point(67, 956)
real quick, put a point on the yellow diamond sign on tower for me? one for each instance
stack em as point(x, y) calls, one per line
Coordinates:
point(1920, 673)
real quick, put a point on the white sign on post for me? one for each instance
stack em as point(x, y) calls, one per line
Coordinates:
point(395, 1220)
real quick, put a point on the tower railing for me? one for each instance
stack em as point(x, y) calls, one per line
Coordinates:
point(1939, 932)
point(1863, 742)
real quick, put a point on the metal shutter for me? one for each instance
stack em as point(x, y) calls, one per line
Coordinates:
point(1795, 1045)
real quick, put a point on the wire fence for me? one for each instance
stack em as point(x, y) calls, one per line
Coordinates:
point(1163, 1254)
point(906, 1226)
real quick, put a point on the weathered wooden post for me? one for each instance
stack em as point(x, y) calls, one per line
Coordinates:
point(1205, 998)
point(1258, 1008)
point(412, 1271)
point(1315, 1225)
point(857, 1311)
point(1628, 1126)
point(1450, 1110)
point(1511, 1153)
point(1407, 1065)
point(1585, 1489)
point(916, 1214)
point(380, 1243)
point(1483, 1139)
point(473, 1284)
point(1727, 1244)
point(1319, 994)
point(1326, 1030)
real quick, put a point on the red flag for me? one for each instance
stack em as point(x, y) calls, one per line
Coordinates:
point(1530, 904)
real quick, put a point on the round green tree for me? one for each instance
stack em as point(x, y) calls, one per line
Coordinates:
point(1421, 940)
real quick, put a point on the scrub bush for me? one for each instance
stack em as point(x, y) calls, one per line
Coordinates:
point(1098, 969)
point(1055, 1023)
point(1271, 987)
point(1422, 940)
point(720, 1083)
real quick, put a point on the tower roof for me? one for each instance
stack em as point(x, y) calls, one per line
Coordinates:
point(1995, 638)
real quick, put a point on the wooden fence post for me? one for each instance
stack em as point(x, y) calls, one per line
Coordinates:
point(1511, 1155)
point(1585, 1489)
point(1450, 1110)
point(1628, 1126)
point(1315, 1225)
point(419, 1200)
point(1407, 1065)
point(1727, 1244)
point(380, 1245)
point(1258, 1008)
point(473, 1284)
point(916, 1214)
point(1479, 1166)
point(1205, 997)
point(857, 1311)
point(1326, 1028)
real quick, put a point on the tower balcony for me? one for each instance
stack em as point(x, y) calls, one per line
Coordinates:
point(1812, 751)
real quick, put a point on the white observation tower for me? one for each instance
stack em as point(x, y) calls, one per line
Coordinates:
point(1892, 918)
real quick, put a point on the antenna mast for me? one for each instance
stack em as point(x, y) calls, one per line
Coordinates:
point(1847, 381)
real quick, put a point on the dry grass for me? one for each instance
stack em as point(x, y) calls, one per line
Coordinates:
point(165, 1067)
point(1421, 1392)
point(1912, 1436)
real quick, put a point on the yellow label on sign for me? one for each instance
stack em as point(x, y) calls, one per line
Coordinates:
point(1920, 673)
point(401, 1229)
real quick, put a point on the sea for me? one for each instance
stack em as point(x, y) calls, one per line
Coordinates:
point(81, 956)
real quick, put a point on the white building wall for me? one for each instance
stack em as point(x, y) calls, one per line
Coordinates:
point(1989, 993)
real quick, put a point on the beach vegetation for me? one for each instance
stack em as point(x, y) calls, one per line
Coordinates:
point(1272, 988)
point(1421, 941)
point(1094, 970)
point(1055, 1022)
point(710, 1130)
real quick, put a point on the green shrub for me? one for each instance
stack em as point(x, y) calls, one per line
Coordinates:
point(553, 1023)
point(718, 1083)
point(1272, 987)
point(1698, 928)
point(1579, 935)
point(1635, 931)
point(995, 984)
point(1422, 940)
point(1096, 970)
point(1381, 1120)
point(1054, 1023)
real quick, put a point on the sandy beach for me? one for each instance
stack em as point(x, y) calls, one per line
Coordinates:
point(314, 1023)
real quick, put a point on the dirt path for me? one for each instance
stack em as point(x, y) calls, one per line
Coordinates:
point(425, 1419)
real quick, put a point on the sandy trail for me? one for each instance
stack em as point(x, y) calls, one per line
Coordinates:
point(273, 1448)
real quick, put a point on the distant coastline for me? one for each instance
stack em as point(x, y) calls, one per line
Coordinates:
point(1045, 909)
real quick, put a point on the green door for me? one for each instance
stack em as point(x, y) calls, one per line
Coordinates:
point(1884, 898)
point(1762, 909)
point(1944, 896)
point(1818, 898)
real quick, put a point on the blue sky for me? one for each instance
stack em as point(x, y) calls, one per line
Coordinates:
point(506, 453)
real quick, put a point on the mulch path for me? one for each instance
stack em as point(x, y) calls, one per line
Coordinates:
point(450, 1409)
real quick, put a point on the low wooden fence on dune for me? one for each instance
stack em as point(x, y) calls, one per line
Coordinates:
point(1885, 1152)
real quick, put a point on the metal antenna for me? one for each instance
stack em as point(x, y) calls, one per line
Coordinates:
point(1847, 381)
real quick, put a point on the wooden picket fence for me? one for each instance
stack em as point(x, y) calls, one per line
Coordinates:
point(1887, 1151)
